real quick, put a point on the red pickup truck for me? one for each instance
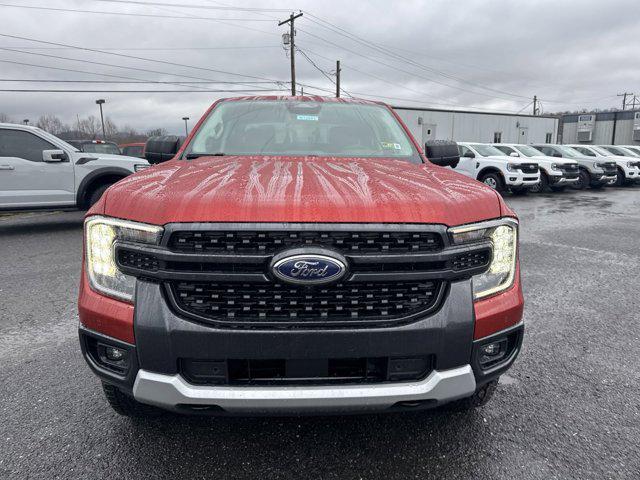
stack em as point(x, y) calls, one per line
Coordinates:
point(299, 255)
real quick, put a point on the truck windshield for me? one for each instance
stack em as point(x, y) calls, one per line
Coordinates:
point(302, 128)
point(602, 151)
point(528, 151)
point(108, 148)
point(568, 151)
point(621, 152)
point(486, 150)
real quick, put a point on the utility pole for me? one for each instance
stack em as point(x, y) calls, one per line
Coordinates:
point(186, 129)
point(624, 99)
point(100, 102)
point(535, 105)
point(337, 78)
point(292, 44)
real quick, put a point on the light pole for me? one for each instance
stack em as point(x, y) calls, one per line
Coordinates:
point(186, 129)
point(99, 103)
point(25, 121)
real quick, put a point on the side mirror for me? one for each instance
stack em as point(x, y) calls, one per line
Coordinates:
point(514, 154)
point(442, 152)
point(52, 156)
point(163, 148)
point(469, 155)
point(557, 155)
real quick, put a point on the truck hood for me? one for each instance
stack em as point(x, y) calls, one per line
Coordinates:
point(300, 189)
point(510, 159)
point(108, 156)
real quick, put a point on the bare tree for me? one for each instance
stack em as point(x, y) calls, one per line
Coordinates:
point(156, 132)
point(51, 124)
point(110, 128)
point(4, 118)
point(89, 127)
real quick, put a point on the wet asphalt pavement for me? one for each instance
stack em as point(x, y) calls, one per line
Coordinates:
point(569, 408)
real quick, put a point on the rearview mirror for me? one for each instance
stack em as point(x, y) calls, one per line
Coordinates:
point(442, 152)
point(163, 148)
point(51, 156)
point(514, 154)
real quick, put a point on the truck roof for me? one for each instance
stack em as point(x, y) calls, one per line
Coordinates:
point(303, 98)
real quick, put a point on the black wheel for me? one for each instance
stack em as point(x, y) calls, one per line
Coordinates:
point(520, 191)
point(493, 180)
point(620, 179)
point(481, 397)
point(559, 189)
point(127, 406)
point(542, 185)
point(584, 180)
point(96, 194)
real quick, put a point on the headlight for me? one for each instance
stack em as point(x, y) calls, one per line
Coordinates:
point(140, 166)
point(501, 273)
point(600, 165)
point(101, 233)
point(554, 166)
point(512, 167)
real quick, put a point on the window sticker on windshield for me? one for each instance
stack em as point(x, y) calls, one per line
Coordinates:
point(307, 118)
point(391, 146)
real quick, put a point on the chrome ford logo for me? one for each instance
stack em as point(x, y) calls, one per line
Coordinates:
point(309, 268)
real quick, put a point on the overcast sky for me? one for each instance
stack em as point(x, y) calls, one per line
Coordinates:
point(481, 54)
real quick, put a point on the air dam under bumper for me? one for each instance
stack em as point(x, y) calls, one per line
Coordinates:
point(172, 391)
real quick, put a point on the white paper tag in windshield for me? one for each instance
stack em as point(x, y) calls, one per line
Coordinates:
point(307, 118)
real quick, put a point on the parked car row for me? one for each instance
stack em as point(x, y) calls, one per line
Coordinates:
point(543, 167)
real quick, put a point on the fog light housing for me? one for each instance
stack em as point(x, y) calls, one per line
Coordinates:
point(114, 354)
point(492, 352)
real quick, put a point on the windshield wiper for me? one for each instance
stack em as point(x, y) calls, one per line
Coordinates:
point(191, 156)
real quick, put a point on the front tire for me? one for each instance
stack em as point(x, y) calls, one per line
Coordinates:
point(584, 180)
point(480, 397)
point(97, 194)
point(620, 179)
point(127, 406)
point(493, 180)
point(542, 185)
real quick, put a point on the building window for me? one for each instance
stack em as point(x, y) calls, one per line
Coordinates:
point(548, 138)
point(497, 137)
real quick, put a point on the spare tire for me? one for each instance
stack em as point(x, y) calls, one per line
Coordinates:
point(162, 148)
point(442, 152)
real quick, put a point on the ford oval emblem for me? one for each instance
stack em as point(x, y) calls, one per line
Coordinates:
point(309, 269)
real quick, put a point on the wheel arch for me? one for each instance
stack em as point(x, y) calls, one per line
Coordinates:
point(97, 178)
point(487, 170)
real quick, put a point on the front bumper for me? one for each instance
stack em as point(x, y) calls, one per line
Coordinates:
point(173, 392)
point(563, 179)
point(519, 179)
point(164, 340)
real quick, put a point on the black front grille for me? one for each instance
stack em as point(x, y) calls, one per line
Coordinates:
point(269, 242)
point(138, 260)
point(610, 169)
point(571, 168)
point(528, 167)
point(308, 371)
point(243, 305)
point(471, 260)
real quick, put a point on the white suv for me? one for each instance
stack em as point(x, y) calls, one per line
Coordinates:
point(627, 171)
point(555, 173)
point(495, 169)
point(39, 170)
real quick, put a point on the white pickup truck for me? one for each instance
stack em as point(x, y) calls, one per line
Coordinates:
point(555, 173)
point(495, 169)
point(628, 172)
point(40, 171)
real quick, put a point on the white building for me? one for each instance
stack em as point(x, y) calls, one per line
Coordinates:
point(468, 126)
point(605, 128)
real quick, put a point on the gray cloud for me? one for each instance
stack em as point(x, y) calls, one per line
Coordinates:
point(572, 54)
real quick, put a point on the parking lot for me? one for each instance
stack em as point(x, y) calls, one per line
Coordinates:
point(568, 409)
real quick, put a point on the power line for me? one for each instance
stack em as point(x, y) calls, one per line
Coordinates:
point(133, 57)
point(125, 49)
point(395, 56)
point(53, 90)
point(125, 14)
point(328, 76)
point(161, 82)
point(205, 7)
